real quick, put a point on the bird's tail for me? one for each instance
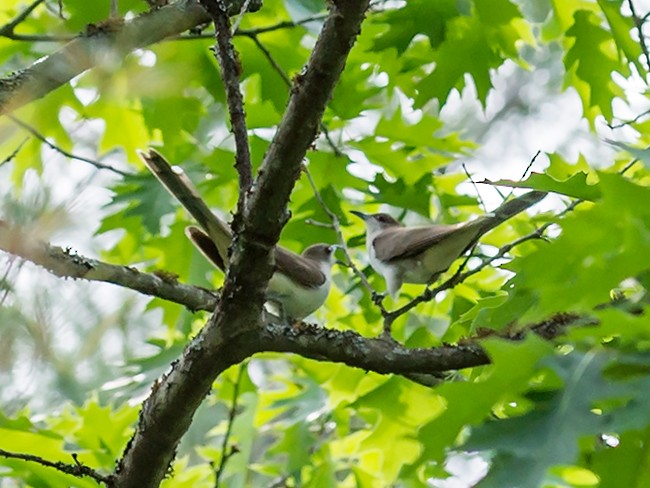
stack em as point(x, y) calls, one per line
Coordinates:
point(180, 186)
point(510, 208)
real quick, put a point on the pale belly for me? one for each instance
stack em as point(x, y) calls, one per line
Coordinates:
point(297, 302)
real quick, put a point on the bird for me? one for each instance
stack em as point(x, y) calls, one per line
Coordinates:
point(300, 283)
point(421, 254)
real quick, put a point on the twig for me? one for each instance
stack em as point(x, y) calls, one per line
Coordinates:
point(638, 22)
point(478, 194)
point(287, 24)
point(335, 149)
point(281, 25)
point(5, 278)
point(78, 469)
point(530, 164)
point(230, 72)
point(240, 16)
point(323, 128)
point(630, 121)
point(232, 413)
point(37, 37)
point(8, 29)
point(336, 225)
point(184, 37)
point(270, 58)
point(14, 153)
point(62, 151)
point(523, 175)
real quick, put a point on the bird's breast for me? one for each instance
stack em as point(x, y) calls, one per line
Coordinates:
point(298, 301)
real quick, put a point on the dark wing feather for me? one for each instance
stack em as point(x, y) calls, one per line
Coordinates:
point(406, 242)
point(298, 268)
point(206, 245)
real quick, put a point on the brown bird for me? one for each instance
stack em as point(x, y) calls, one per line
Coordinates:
point(420, 254)
point(300, 282)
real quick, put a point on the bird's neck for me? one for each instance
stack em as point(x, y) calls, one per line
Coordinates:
point(326, 268)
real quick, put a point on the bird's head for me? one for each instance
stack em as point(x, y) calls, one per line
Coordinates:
point(323, 253)
point(377, 222)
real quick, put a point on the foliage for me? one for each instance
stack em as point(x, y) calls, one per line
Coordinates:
point(568, 412)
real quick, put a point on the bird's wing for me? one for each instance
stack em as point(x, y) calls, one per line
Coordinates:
point(298, 268)
point(510, 208)
point(204, 243)
point(180, 186)
point(406, 242)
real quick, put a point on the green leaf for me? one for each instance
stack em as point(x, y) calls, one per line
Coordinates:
point(589, 403)
point(396, 411)
point(466, 39)
point(600, 244)
point(623, 462)
point(146, 200)
point(415, 17)
point(501, 381)
point(590, 62)
point(642, 154)
point(622, 28)
point(575, 186)
point(413, 197)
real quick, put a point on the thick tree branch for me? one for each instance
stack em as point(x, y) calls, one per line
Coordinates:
point(310, 94)
point(308, 340)
point(67, 264)
point(232, 334)
point(379, 355)
point(88, 50)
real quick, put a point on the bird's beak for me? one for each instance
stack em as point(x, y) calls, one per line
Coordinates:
point(361, 215)
point(335, 247)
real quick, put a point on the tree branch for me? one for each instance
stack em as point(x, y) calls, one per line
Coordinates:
point(67, 264)
point(79, 470)
point(230, 72)
point(62, 151)
point(86, 51)
point(308, 340)
point(232, 333)
point(376, 354)
point(232, 413)
point(638, 22)
point(7, 30)
point(310, 93)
